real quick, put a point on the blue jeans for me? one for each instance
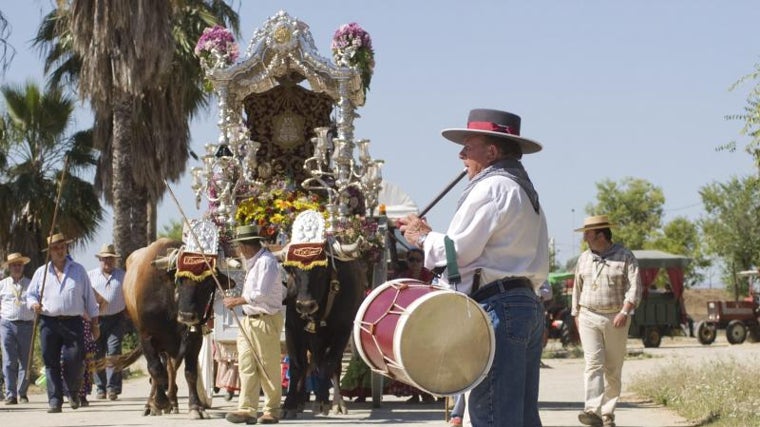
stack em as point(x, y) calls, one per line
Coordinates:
point(62, 340)
point(508, 396)
point(109, 344)
point(16, 337)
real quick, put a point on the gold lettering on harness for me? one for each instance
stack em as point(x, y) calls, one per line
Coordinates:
point(307, 252)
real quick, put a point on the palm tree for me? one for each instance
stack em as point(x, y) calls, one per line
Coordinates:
point(7, 52)
point(35, 143)
point(157, 135)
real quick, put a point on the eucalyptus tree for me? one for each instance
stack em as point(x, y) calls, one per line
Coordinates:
point(634, 205)
point(137, 122)
point(730, 224)
point(35, 142)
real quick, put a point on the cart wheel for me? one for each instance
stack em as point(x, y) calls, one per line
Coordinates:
point(706, 333)
point(568, 335)
point(736, 332)
point(652, 337)
point(754, 333)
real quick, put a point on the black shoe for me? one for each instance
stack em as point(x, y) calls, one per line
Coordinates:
point(112, 395)
point(83, 402)
point(54, 410)
point(23, 399)
point(11, 401)
point(229, 395)
point(74, 402)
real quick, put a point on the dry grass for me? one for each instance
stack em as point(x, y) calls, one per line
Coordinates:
point(699, 395)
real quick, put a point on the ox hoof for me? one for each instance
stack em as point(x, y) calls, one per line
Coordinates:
point(340, 408)
point(198, 414)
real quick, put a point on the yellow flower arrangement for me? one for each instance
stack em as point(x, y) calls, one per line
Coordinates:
point(274, 211)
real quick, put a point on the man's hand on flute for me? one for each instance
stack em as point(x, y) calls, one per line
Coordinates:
point(413, 228)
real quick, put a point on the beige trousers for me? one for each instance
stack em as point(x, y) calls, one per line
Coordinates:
point(264, 333)
point(604, 348)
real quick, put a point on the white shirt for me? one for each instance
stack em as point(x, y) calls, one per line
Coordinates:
point(13, 299)
point(263, 290)
point(110, 288)
point(496, 230)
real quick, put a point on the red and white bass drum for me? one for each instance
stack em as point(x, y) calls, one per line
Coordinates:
point(438, 340)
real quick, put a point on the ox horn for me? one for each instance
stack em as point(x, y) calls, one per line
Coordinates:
point(347, 250)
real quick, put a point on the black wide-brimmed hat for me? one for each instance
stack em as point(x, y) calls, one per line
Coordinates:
point(497, 123)
point(247, 232)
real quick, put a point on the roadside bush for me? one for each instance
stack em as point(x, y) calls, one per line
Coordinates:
point(722, 394)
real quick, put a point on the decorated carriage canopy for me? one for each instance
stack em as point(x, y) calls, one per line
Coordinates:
point(650, 263)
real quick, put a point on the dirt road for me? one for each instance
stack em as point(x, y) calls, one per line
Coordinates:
point(560, 397)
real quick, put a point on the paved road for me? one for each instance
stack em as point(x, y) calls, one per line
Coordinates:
point(560, 398)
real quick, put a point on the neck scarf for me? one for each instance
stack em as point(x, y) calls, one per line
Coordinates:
point(510, 168)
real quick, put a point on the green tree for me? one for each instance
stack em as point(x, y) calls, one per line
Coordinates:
point(35, 143)
point(142, 101)
point(173, 230)
point(731, 228)
point(681, 236)
point(750, 116)
point(634, 205)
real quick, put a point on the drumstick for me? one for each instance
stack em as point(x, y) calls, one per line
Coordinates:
point(443, 193)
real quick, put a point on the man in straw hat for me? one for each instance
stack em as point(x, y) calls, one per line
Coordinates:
point(501, 246)
point(263, 322)
point(107, 281)
point(16, 323)
point(67, 296)
point(607, 288)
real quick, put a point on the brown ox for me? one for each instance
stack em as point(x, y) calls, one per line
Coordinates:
point(167, 315)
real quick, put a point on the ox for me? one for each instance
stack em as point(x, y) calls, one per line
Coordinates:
point(168, 318)
point(320, 309)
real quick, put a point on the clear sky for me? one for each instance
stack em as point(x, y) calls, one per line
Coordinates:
point(611, 89)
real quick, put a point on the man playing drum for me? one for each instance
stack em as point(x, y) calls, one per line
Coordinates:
point(500, 239)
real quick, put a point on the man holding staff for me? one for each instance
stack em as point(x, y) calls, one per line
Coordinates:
point(60, 293)
point(498, 239)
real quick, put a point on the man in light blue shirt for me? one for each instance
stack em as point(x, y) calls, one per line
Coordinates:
point(16, 323)
point(61, 294)
point(107, 282)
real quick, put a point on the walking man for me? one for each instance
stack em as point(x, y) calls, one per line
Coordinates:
point(66, 297)
point(16, 322)
point(107, 281)
point(607, 288)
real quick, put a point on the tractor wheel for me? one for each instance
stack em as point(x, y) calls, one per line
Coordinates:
point(651, 337)
point(568, 334)
point(736, 332)
point(706, 333)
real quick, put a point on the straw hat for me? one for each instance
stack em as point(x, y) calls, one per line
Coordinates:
point(57, 238)
point(16, 257)
point(107, 251)
point(595, 223)
point(247, 232)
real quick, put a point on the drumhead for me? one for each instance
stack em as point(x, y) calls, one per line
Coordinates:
point(445, 342)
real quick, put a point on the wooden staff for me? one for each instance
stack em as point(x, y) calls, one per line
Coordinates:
point(216, 280)
point(47, 259)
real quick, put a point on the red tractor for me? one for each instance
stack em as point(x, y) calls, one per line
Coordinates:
point(738, 318)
